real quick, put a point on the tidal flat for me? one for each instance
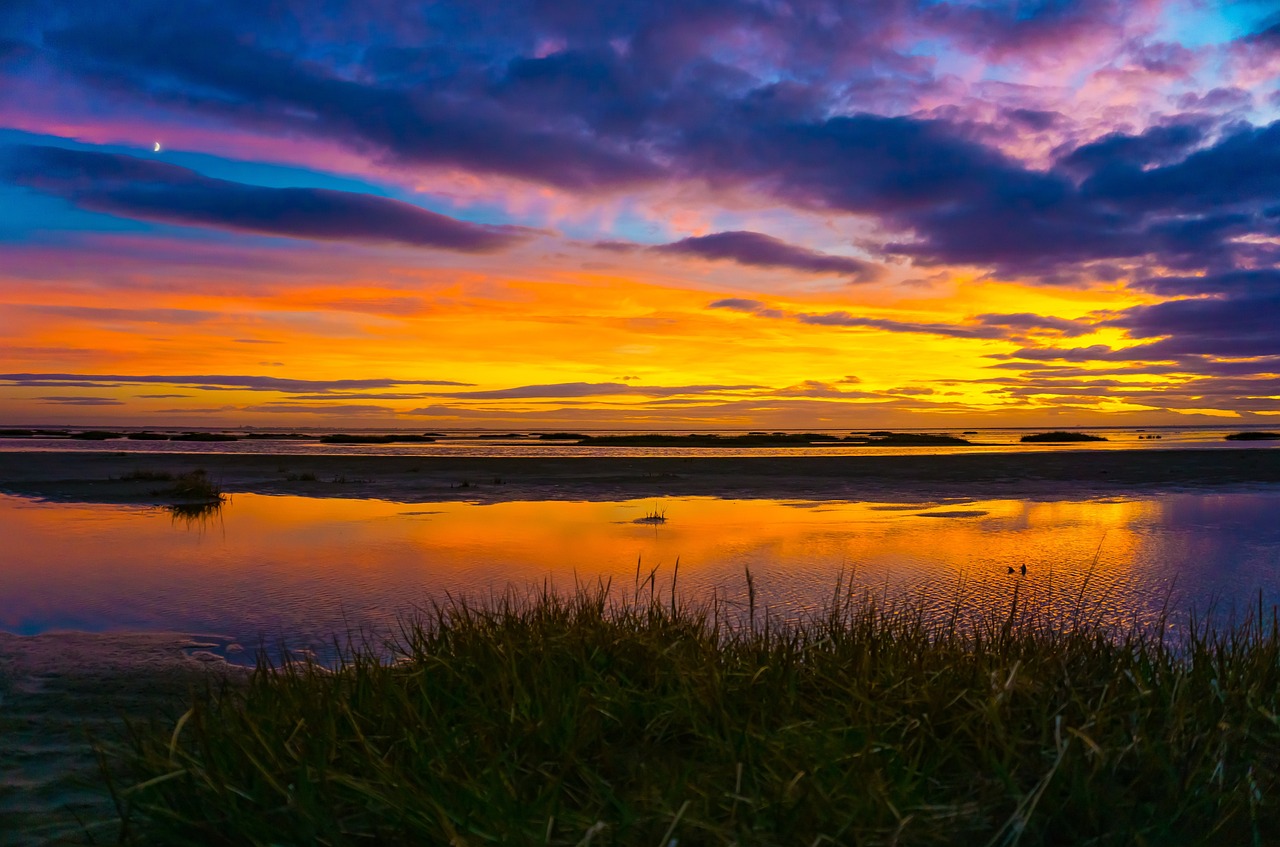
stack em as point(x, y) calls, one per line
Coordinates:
point(103, 477)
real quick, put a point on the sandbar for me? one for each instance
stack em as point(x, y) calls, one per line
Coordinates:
point(97, 477)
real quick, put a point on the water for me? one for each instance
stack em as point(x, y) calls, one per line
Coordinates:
point(268, 569)
point(471, 444)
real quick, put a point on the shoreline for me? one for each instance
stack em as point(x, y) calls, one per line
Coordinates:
point(96, 477)
point(62, 692)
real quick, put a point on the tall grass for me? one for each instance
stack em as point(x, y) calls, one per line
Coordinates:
point(593, 719)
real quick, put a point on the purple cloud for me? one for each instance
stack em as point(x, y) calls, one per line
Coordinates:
point(587, 389)
point(81, 401)
point(988, 326)
point(137, 188)
point(249, 383)
point(756, 249)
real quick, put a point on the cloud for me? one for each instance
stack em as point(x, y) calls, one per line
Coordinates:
point(1123, 158)
point(755, 307)
point(587, 389)
point(988, 326)
point(756, 249)
point(81, 401)
point(1027, 322)
point(331, 409)
point(845, 319)
point(113, 315)
point(716, 94)
point(247, 383)
point(157, 191)
point(217, 72)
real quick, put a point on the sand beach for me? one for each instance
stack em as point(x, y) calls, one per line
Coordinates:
point(104, 477)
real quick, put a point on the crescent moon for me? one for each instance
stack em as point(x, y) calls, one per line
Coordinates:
point(157, 147)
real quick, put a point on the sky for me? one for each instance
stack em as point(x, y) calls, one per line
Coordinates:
point(641, 214)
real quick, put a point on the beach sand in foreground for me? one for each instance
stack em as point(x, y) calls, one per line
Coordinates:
point(61, 692)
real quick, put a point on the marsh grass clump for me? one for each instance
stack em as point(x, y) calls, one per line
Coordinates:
point(654, 516)
point(588, 719)
point(193, 487)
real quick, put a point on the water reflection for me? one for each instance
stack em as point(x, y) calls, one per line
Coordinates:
point(309, 568)
point(195, 515)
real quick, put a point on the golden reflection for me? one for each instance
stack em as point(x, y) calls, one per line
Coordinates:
point(277, 560)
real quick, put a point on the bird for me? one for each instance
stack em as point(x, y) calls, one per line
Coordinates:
point(1011, 569)
point(1024, 570)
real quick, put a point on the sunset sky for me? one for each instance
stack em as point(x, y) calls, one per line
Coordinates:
point(646, 215)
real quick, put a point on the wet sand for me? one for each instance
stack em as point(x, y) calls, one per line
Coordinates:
point(61, 693)
point(96, 477)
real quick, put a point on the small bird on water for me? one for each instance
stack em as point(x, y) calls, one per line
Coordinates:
point(1024, 570)
point(1011, 569)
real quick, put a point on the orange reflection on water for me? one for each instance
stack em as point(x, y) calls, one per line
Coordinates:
point(270, 565)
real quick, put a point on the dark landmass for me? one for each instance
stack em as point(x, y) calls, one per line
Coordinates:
point(147, 436)
point(100, 477)
point(802, 439)
point(1254, 436)
point(342, 438)
point(95, 435)
point(1059, 437)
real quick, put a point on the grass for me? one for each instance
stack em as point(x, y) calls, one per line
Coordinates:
point(592, 720)
point(654, 515)
point(193, 487)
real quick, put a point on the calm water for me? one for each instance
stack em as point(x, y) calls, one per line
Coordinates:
point(469, 444)
point(304, 569)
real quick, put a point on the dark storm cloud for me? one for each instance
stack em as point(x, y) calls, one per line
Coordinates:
point(756, 249)
point(137, 188)
point(248, 383)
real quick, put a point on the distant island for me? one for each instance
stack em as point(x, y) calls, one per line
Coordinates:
point(1254, 436)
point(1058, 437)
point(762, 439)
point(343, 438)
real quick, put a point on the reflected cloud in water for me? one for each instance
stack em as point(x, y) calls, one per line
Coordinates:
point(308, 568)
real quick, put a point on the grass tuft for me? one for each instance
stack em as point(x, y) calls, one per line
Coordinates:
point(548, 719)
point(193, 487)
